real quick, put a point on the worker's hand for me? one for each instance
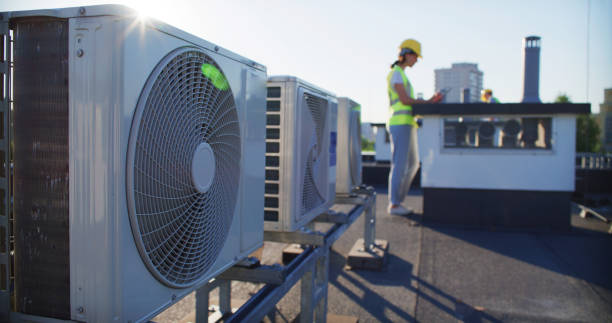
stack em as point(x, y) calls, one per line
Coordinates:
point(436, 97)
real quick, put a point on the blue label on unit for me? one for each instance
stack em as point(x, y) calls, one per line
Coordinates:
point(332, 148)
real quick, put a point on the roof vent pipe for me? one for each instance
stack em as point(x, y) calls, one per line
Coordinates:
point(531, 76)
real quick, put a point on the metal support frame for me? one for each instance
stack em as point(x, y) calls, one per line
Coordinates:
point(308, 238)
point(5, 148)
point(313, 298)
point(369, 229)
point(203, 301)
point(311, 268)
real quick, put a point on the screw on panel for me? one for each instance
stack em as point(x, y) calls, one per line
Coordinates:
point(80, 53)
point(81, 11)
point(80, 310)
point(216, 48)
point(174, 297)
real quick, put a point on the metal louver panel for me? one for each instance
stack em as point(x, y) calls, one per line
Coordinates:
point(183, 167)
point(273, 155)
point(314, 179)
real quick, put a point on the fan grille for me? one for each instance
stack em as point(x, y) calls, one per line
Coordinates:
point(179, 228)
point(318, 109)
point(311, 195)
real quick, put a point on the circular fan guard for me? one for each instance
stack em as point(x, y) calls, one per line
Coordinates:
point(180, 227)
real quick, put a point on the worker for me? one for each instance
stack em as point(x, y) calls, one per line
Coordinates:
point(487, 96)
point(402, 126)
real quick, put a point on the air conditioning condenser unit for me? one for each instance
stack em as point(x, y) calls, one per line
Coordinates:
point(348, 169)
point(300, 153)
point(139, 163)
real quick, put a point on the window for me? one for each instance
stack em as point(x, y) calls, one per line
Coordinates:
point(499, 133)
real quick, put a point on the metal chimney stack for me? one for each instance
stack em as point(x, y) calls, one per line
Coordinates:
point(531, 76)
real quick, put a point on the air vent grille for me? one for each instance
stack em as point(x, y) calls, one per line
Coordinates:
point(273, 156)
point(186, 119)
point(318, 108)
point(311, 197)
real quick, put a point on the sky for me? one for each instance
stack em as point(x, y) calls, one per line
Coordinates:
point(347, 46)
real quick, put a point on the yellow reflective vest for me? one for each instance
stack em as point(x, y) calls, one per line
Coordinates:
point(401, 114)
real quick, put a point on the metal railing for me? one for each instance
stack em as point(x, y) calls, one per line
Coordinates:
point(593, 161)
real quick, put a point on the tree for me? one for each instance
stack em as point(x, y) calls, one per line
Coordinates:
point(587, 134)
point(562, 98)
point(587, 129)
point(367, 145)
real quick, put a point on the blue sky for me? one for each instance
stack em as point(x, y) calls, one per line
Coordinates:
point(347, 46)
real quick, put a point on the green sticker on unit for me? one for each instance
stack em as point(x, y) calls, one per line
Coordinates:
point(357, 108)
point(215, 76)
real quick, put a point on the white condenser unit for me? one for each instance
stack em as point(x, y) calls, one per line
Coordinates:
point(139, 163)
point(300, 153)
point(348, 169)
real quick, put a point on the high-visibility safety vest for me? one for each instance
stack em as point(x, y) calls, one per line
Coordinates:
point(401, 114)
point(491, 99)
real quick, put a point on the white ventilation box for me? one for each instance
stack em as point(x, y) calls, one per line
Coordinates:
point(300, 153)
point(348, 169)
point(140, 150)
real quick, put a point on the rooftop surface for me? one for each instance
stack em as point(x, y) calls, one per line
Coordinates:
point(449, 274)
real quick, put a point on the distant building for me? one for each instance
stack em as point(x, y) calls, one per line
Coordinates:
point(459, 77)
point(605, 120)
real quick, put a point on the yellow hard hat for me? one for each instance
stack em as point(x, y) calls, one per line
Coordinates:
point(413, 45)
point(487, 91)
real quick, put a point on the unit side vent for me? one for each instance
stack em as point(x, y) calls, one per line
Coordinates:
point(273, 156)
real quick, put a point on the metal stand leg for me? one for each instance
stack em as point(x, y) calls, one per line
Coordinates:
point(322, 276)
point(202, 303)
point(203, 299)
point(225, 297)
point(313, 300)
point(307, 296)
point(369, 234)
point(368, 253)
